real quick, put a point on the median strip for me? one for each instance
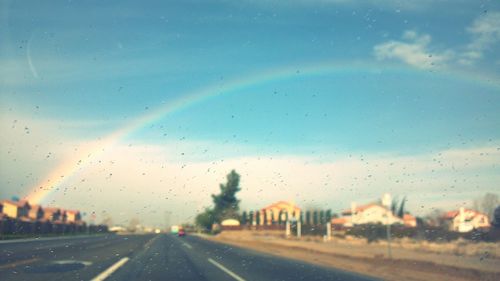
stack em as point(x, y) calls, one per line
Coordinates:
point(105, 274)
point(223, 268)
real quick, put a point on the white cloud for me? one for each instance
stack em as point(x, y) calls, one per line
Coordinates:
point(485, 32)
point(415, 51)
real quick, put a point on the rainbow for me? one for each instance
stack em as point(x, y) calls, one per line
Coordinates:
point(52, 182)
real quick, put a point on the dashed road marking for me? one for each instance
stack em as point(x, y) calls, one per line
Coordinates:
point(105, 274)
point(187, 245)
point(223, 268)
point(150, 242)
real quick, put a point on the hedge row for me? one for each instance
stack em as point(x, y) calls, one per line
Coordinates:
point(10, 226)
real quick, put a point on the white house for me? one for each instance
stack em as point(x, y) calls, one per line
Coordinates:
point(367, 214)
point(465, 220)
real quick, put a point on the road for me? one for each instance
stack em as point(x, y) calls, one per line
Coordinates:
point(150, 257)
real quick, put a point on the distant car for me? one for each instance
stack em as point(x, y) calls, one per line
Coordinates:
point(181, 233)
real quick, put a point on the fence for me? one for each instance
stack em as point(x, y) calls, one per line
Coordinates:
point(374, 232)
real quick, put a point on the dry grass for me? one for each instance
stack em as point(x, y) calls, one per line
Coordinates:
point(412, 260)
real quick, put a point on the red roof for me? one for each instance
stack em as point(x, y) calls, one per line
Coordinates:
point(454, 213)
point(361, 208)
point(408, 217)
point(339, 221)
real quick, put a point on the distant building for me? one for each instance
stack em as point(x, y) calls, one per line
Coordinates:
point(73, 216)
point(35, 212)
point(409, 220)
point(52, 214)
point(465, 220)
point(372, 213)
point(15, 209)
point(272, 213)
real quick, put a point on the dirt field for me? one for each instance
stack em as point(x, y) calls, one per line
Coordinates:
point(411, 260)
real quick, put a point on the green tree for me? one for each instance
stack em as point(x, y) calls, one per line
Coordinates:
point(322, 219)
point(308, 217)
point(206, 219)
point(328, 215)
point(226, 203)
point(315, 217)
point(401, 211)
point(244, 218)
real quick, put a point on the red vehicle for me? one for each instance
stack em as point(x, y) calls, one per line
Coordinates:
point(181, 232)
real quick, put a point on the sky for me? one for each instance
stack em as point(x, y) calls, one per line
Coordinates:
point(128, 109)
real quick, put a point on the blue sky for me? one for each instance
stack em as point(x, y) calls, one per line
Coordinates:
point(420, 81)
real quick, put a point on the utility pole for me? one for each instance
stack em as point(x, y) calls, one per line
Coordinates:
point(386, 201)
point(287, 228)
point(299, 229)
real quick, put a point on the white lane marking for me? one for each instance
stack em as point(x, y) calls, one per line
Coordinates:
point(223, 268)
point(105, 274)
point(187, 245)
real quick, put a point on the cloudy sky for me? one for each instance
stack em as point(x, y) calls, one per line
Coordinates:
point(133, 109)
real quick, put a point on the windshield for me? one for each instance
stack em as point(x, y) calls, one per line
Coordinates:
point(249, 140)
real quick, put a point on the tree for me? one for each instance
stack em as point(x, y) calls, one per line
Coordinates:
point(398, 208)
point(315, 217)
point(322, 217)
point(308, 217)
point(496, 217)
point(401, 211)
point(435, 218)
point(328, 215)
point(205, 219)
point(244, 218)
point(488, 204)
point(226, 205)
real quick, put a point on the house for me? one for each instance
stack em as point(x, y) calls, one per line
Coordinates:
point(35, 212)
point(465, 220)
point(372, 213)
point(52, 214)
point(409, 220)
point(279, 211)
point(15, 209)
point(73, 216)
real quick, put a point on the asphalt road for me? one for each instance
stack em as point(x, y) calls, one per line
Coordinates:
point(150, 257)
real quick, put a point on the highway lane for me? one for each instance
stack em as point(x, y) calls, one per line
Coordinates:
point(78, 258)
point(151, 257)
